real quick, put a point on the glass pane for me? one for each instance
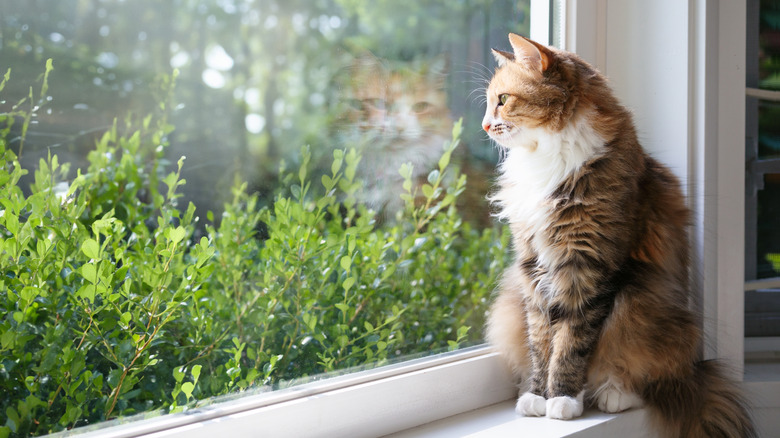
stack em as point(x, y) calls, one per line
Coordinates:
point(762, 313)
point(768, 130)
point(286, 245)
point(769, 45)
point(768, 243)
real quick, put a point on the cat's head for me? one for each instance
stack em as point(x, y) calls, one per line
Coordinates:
point(534, 88)
point(395, 106)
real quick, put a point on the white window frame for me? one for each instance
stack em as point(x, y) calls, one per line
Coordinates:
point(694, 54)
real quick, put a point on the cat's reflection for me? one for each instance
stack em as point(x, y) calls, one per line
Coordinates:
point(395, 113)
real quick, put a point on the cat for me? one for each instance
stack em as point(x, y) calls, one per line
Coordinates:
point(397, 114)
point(595, 308)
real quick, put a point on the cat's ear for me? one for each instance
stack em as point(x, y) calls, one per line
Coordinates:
point(502, 57)
point(436, 69)
point(530, 52)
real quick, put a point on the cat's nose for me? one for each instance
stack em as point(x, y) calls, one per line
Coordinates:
point(486, 126)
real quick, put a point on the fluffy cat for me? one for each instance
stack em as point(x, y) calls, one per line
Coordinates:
point(596, 306)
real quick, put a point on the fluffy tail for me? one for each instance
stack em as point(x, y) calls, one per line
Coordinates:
point(706, 405)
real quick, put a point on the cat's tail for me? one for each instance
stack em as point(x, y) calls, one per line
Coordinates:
point(706, 405)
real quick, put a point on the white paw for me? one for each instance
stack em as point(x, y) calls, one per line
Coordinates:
point(613, 400)
point(530, 405)
point(565, 407)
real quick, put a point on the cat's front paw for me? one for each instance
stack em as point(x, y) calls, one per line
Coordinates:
point(565, 407)
point(531, 405)
point(613, 400)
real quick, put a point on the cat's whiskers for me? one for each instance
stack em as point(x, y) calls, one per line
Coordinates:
point(477, 95)
point(481, 70)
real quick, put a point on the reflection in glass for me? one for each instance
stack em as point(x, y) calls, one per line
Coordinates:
point(322, 219)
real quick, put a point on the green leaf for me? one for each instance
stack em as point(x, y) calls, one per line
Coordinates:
point(433, 177)
point(187, 388)
point(29, 293)
point(177, 234)
point(87, 291)
point(348, 283)
point(427, 190)
point(8, 337)
point(196, 372)
point(457, 128)
point(295, 189)
point(13, 418)
point(327, 182)
point(346, 263)
point(343, 307)
point(178, 374)
point(12, 223)
point(338, 158)
point(91, 249)
point(406, 170)
point(444, 161)
point(310, 321)
point(89, 272)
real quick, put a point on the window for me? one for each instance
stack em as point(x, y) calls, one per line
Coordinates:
point(120, 298)
point(705, 84)
point(762, 180)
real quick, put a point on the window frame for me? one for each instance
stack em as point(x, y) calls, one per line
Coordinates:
point(396, 398)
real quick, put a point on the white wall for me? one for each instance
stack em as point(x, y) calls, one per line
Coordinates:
point(647, 63)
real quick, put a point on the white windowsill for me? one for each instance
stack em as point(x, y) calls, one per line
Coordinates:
point(500, 420)
point(762, 386)
point(466, 393)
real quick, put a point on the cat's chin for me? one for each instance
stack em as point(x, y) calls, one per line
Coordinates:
point(506, 141)
point(517, 139)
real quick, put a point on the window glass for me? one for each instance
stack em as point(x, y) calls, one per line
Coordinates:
point(202, 197)
point(768, 130)
point(769, 45)
point(762, 169)
point(768, 247)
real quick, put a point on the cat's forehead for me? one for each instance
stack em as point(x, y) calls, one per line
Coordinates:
point(511, 77)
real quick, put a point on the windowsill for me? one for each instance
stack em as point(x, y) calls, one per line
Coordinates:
point(465, 393)
point(762, 386)
point(500, 420)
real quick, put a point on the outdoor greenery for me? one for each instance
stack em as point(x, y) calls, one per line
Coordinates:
point(133, 279)
point(258, 78)
point(112, 305)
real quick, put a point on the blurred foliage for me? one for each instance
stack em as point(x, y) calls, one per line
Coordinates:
point(112, 306)
point(257, 78)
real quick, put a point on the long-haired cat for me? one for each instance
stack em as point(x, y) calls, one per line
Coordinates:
point(596, 306)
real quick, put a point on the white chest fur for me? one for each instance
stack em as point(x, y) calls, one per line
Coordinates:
point(536, 162)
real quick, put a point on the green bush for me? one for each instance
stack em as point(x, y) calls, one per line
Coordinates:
point(112, 306)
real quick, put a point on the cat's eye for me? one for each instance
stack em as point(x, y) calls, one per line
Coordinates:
point(503, 98)
point(420, 107)
point(374, 103)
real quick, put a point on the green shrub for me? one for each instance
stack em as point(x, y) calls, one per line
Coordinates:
point(111, 306)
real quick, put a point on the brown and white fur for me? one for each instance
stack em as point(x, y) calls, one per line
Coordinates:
point(596, 305)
